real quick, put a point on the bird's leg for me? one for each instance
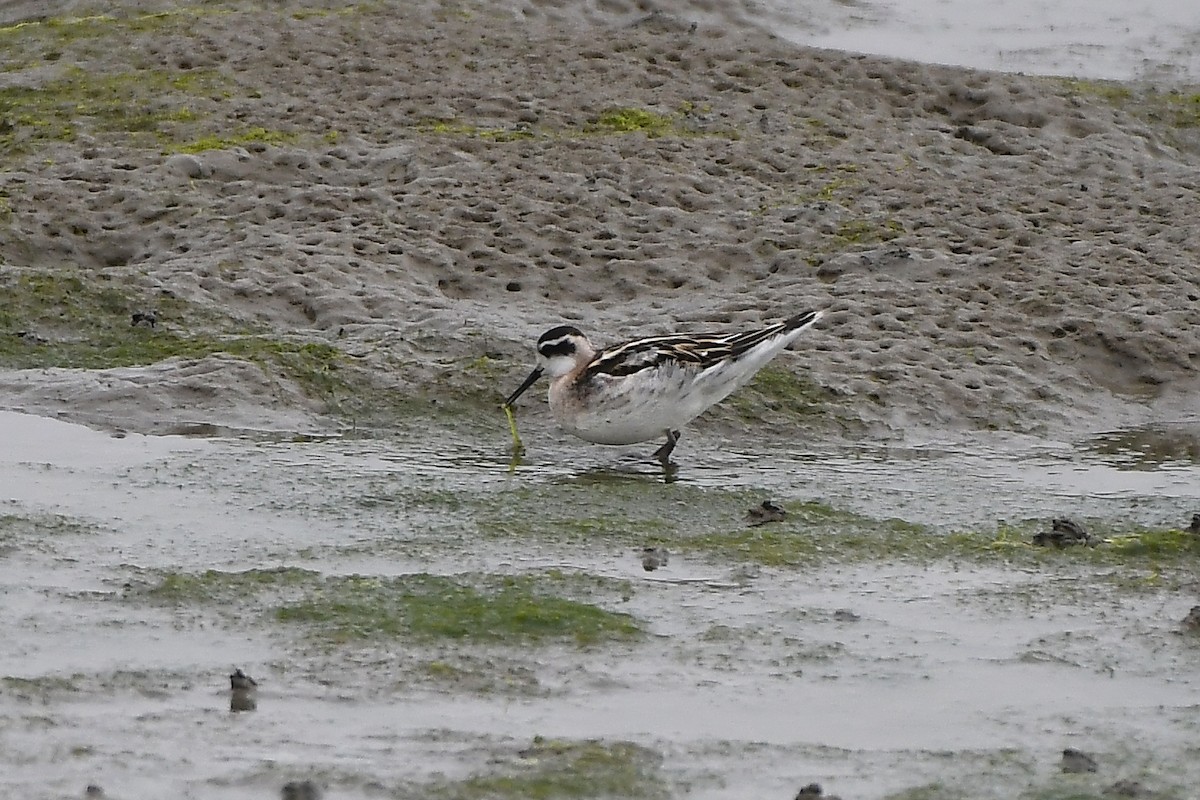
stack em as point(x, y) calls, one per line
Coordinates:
point(663, 453)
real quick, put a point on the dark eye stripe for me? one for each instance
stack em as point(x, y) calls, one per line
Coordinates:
point(560, 347)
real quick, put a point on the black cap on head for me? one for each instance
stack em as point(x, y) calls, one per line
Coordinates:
point(558, 333)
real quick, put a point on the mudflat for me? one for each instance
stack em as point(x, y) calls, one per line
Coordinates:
point(417, 183)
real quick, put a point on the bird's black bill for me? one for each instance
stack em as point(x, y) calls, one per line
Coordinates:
point(532, 379)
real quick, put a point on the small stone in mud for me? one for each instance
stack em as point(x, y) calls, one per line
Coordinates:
point(767, 512)
point(241, 692)
point(300, 790)
point(1063, 533)
point(1195, 526)
point(145, 317)
point(93, 792)
point(654, 557)
point(846, 615)
point(240, 681)
point(1077, 761)
point(813, 791)
point(1191, 623)
point(31, 338)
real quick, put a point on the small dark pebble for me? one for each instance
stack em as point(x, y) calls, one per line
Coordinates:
point(846, 615)
point(147, 318)
point(1077, 761)
point(300, 790)
point(812, 791)
point(93, 792)
point(1191, 623)
point(30, 337)
point(241, 682)
point(1195, 526)
point(654, 557)
point(1063, 533)
point(242, 694)
point(767, 512)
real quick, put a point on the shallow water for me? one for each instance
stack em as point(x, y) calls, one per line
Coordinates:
point(1109, 39)
point(750, 684)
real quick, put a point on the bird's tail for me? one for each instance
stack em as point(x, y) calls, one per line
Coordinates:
point(801, 320)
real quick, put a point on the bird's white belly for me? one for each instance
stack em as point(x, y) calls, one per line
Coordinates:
point(632, 413)
point(610, 429)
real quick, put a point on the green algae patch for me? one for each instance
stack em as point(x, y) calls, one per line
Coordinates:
point(38, 689)
point(36, 526)
point(603, 507)
point(779, 391)
point(216, 586)
point(633, 120)
point(71, 302)
point(511, 610)
point(248, 136)
point(77, 319)
point(566, 768)
point(67, 29)
point(1110, 92)
point(1182, 109)
point(1174, 108)
point(454, 127)
point(485, 674)
point(813, 533)
point(145, 101)
point(1153, 544)
point(864, 231)
point(140, 347)
point(1110, 545)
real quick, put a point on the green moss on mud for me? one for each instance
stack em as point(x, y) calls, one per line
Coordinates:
point(41, 525)
point(216, 586)
point(629, 511)
point(67, 29)
point(778, 390)
point(509, 610)
point(633, 120)
point(865, 231)
point(454, 127)
point(526, 609)
point(226, 142)
point(1175, 108)
point(82, 320)
point(1109, 91)
point(815, 532)
point(38, 689)
point(79, 100)
point(562, 768)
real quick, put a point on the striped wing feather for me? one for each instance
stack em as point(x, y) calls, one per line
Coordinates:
point(704, 350)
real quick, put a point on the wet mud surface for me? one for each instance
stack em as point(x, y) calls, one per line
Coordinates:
point(894, 635)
